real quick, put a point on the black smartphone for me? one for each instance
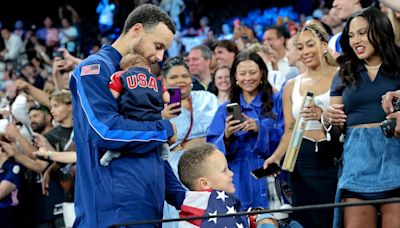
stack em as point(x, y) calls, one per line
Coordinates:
point(175, 96)
point(261, 172)
point(59, 54)
point(234, 109)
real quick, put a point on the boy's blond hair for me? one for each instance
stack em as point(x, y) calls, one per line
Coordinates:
point(134, 60)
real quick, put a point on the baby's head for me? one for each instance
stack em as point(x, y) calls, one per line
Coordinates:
point(205, 167)
point(134, 60)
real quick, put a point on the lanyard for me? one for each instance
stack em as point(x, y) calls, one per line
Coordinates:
point(191, 122)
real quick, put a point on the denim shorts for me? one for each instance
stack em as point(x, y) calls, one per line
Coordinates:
point(371, 164)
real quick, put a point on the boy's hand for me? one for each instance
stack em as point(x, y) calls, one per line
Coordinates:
point(173, 138)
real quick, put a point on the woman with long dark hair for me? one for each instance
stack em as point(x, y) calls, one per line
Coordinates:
point(369, 67)
point(247, 144)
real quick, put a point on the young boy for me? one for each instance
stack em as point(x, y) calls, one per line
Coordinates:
point(204, 170)
point(140, 95)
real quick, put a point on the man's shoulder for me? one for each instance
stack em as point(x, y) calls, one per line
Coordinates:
point(94, 64)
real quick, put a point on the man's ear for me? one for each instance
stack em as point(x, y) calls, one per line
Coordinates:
point(136, 29)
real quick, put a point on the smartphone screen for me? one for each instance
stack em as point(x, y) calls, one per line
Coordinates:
point(234, 109)
point(59, 54)
point(261, 172)
point(175, 96)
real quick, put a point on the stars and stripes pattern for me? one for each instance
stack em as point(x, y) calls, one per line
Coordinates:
point(203, 203)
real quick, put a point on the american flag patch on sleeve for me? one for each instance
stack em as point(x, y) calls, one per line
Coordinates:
point(90, 69)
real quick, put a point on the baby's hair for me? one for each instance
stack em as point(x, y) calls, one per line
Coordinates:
point(192, 164)
point(133, 60)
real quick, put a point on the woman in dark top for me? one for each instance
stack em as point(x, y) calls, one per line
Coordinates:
point(369, 67)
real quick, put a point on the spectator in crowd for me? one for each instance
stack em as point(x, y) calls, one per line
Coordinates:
point(345, 9)
point(222, 83)
point(19, 29)
point(61, 138)
point(9, 184)
point(29, 74)
point(174, 8)
point(274, 39)
point(247, 144)
point(106, 10)
point(296, 65)
point(226, 32)
point(334, 22)
point(262, 51)
point(147, 31)
point(199, 59)
point(45, 201)
point(314, 178)
point(68, 35)
point(225, 52)
point(14, 51)
point(369, 67)
point(192, 119)
point(243, 36)
point(48, 35)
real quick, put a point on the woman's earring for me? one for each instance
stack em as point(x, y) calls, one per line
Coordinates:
point(325, 52)
point(191, 85)
point(237, 83)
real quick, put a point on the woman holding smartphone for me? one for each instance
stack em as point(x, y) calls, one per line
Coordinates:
point(247, 144)
point(192, 116)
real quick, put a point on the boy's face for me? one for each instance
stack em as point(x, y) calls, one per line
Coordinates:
point(218, 175)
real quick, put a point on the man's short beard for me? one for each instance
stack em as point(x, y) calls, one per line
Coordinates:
point(39, 128)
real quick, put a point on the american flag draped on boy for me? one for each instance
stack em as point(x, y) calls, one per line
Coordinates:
point(205, 203)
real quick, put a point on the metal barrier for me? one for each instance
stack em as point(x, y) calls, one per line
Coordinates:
point(299, 208)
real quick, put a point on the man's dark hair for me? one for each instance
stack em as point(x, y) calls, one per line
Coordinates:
point(173, 62)
point(149, 16)
point(228, 45)
point(41, 108)
point(365, 3)
point(191, 165)
point(206, 53)
point(280, 31)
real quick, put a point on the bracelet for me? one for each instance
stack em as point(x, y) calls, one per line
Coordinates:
point(50, 154)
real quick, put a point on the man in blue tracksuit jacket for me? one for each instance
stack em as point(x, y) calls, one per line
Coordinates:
point(134, 186)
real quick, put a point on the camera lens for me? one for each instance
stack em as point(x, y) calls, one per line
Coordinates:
point(388, 127)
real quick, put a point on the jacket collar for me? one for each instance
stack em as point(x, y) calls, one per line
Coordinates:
point(256, 102)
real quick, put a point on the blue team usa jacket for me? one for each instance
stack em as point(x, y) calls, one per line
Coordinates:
point(131, 188)
point(249, 150)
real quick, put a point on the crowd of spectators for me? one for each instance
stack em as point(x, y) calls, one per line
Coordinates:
point(260, 61)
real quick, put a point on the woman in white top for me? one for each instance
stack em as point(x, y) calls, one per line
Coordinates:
point(314, 178)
